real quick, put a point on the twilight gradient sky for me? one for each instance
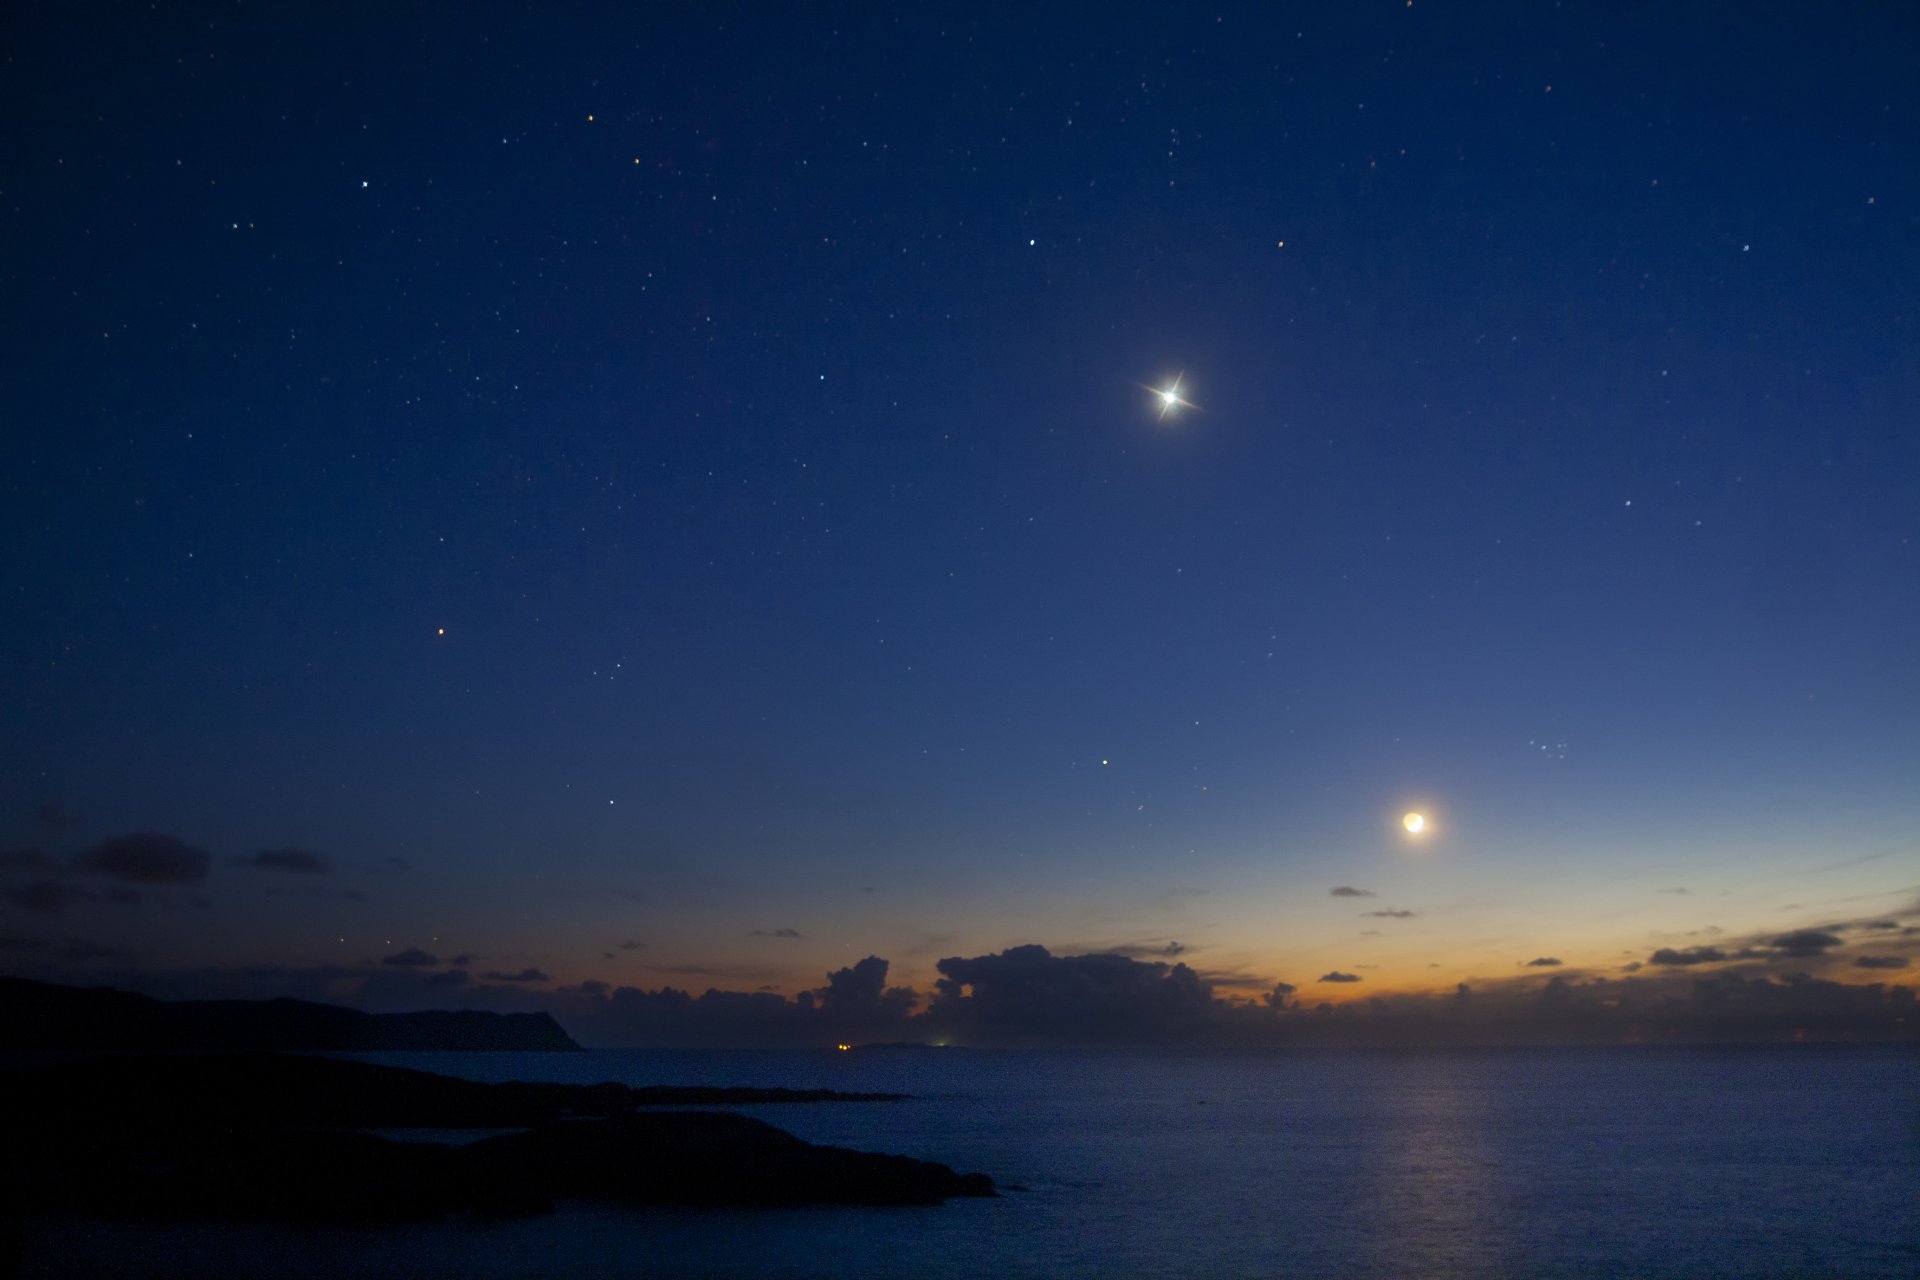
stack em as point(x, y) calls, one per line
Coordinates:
point(556, 477)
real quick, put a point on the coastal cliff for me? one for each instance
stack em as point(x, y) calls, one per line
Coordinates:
point(46, 1016)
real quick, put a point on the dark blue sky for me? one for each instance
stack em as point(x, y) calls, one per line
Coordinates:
point(599, 476)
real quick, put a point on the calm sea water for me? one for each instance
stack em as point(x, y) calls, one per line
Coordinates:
point(1619, 1162)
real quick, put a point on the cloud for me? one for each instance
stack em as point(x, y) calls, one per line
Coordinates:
point(410, 958)
point(861, 990)
point(1390, 915)
point(1674, 890)
point(632, 945)
point(1028, 994)
point(27, 860)
point(462, 960)
point(1544, 962)
point(145, 857)
point(53, 817)
point(46, 897)
point(855, 1006)
point(1348, 891)
point(1873, 926)
point(525, 975)
point(73, 950)
point(1667, 957)
point(300, 860)
point(775, 933)
point(1804, 942)
point(1880, 962)
point(43, 897)
point(1138, 950)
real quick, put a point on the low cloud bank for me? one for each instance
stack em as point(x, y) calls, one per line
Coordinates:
point(1029, 996)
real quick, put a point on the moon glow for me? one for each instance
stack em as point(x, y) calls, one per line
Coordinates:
point(1170, 397)
point(1415, 823)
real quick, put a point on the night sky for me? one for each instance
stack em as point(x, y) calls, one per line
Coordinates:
point(506, 503)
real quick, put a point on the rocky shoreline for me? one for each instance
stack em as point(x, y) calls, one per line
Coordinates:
point(279, 1136)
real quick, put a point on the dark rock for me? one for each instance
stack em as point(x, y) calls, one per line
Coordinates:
point(713, 1158)
point(287, 1090)
point(273, 1136)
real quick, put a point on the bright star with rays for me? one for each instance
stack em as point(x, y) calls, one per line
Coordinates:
point(1170, 399)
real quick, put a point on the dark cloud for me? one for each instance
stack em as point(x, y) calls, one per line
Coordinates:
point(861, 992)
point(45, 897)
point(1348, 891)
point(632, 945)
point(1543, 962)
point(1667, 957)
point(1337, 976)
point(525, 975)
point(1674, 890)
point(1139, 950)
point(53, 817)
point(73, 950)
point(1872, 926)
point(1028, 994)
point(27, 860)
point(145, 857)
point(299, 860)
point(1390, 915)
point(462, 960)
point(410, 958)
point(1804, 942)
point(775, 933)
point(856, 1006)
point(1880, 962)
point(1632, 966)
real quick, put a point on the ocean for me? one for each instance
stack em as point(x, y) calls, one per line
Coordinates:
point(1797, 1161)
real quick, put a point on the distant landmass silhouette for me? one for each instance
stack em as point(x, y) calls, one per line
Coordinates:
point(272, 1136)
point(47, 1016)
